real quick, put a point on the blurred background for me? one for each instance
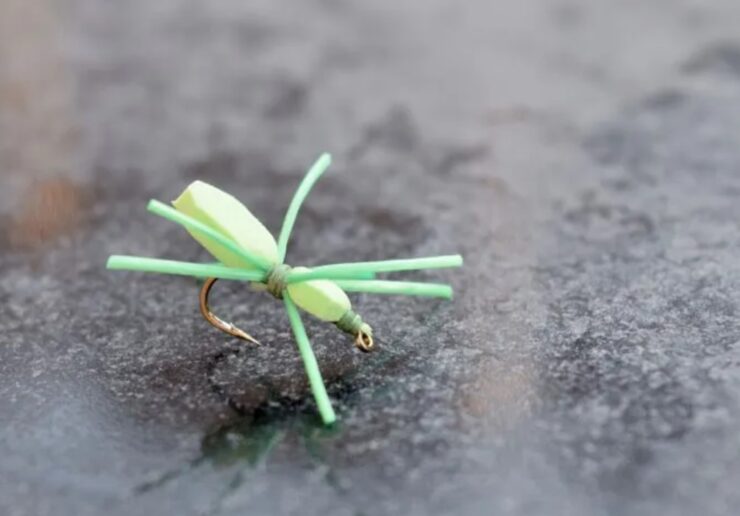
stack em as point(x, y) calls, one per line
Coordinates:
point(582, 155)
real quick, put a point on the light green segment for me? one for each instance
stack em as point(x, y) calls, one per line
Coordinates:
point(321, 298)
point(363, 275)
point(405, 288)
point(309, 362)
point(223, 213)
point(335, 271)
point(312, 176)
point(191, 224)
point(198, 270)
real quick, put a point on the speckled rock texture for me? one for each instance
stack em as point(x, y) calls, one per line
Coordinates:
point(584, 156)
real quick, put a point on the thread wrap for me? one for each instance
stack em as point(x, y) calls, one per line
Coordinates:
point(277, 279)
point(350, 322)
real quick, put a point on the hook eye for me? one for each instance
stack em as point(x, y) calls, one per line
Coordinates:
point(215, 321)
point(364, 341)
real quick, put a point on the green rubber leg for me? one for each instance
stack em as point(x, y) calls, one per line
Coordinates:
point(309, 362)
point(304, 188)
point(404, 288)
point(197, 270)
point(336, 270)
point(161, 209)
point(301, 276)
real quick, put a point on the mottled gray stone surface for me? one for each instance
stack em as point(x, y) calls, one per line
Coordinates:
point(584, 156)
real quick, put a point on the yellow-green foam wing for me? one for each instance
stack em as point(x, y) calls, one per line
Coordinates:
point(225, 214)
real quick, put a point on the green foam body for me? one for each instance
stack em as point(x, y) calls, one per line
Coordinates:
point(321, 298)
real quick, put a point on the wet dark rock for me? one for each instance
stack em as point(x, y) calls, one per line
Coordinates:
point(589, 363)
point(721, 58)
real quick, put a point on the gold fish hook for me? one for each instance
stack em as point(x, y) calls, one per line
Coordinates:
point(216, 321)
point(363, 340)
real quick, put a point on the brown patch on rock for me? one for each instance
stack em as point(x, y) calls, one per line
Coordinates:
point(54, 207)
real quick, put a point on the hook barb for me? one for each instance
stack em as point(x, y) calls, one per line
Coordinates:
point(216, 321)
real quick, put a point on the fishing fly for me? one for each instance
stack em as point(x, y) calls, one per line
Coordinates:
point(247, 251)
